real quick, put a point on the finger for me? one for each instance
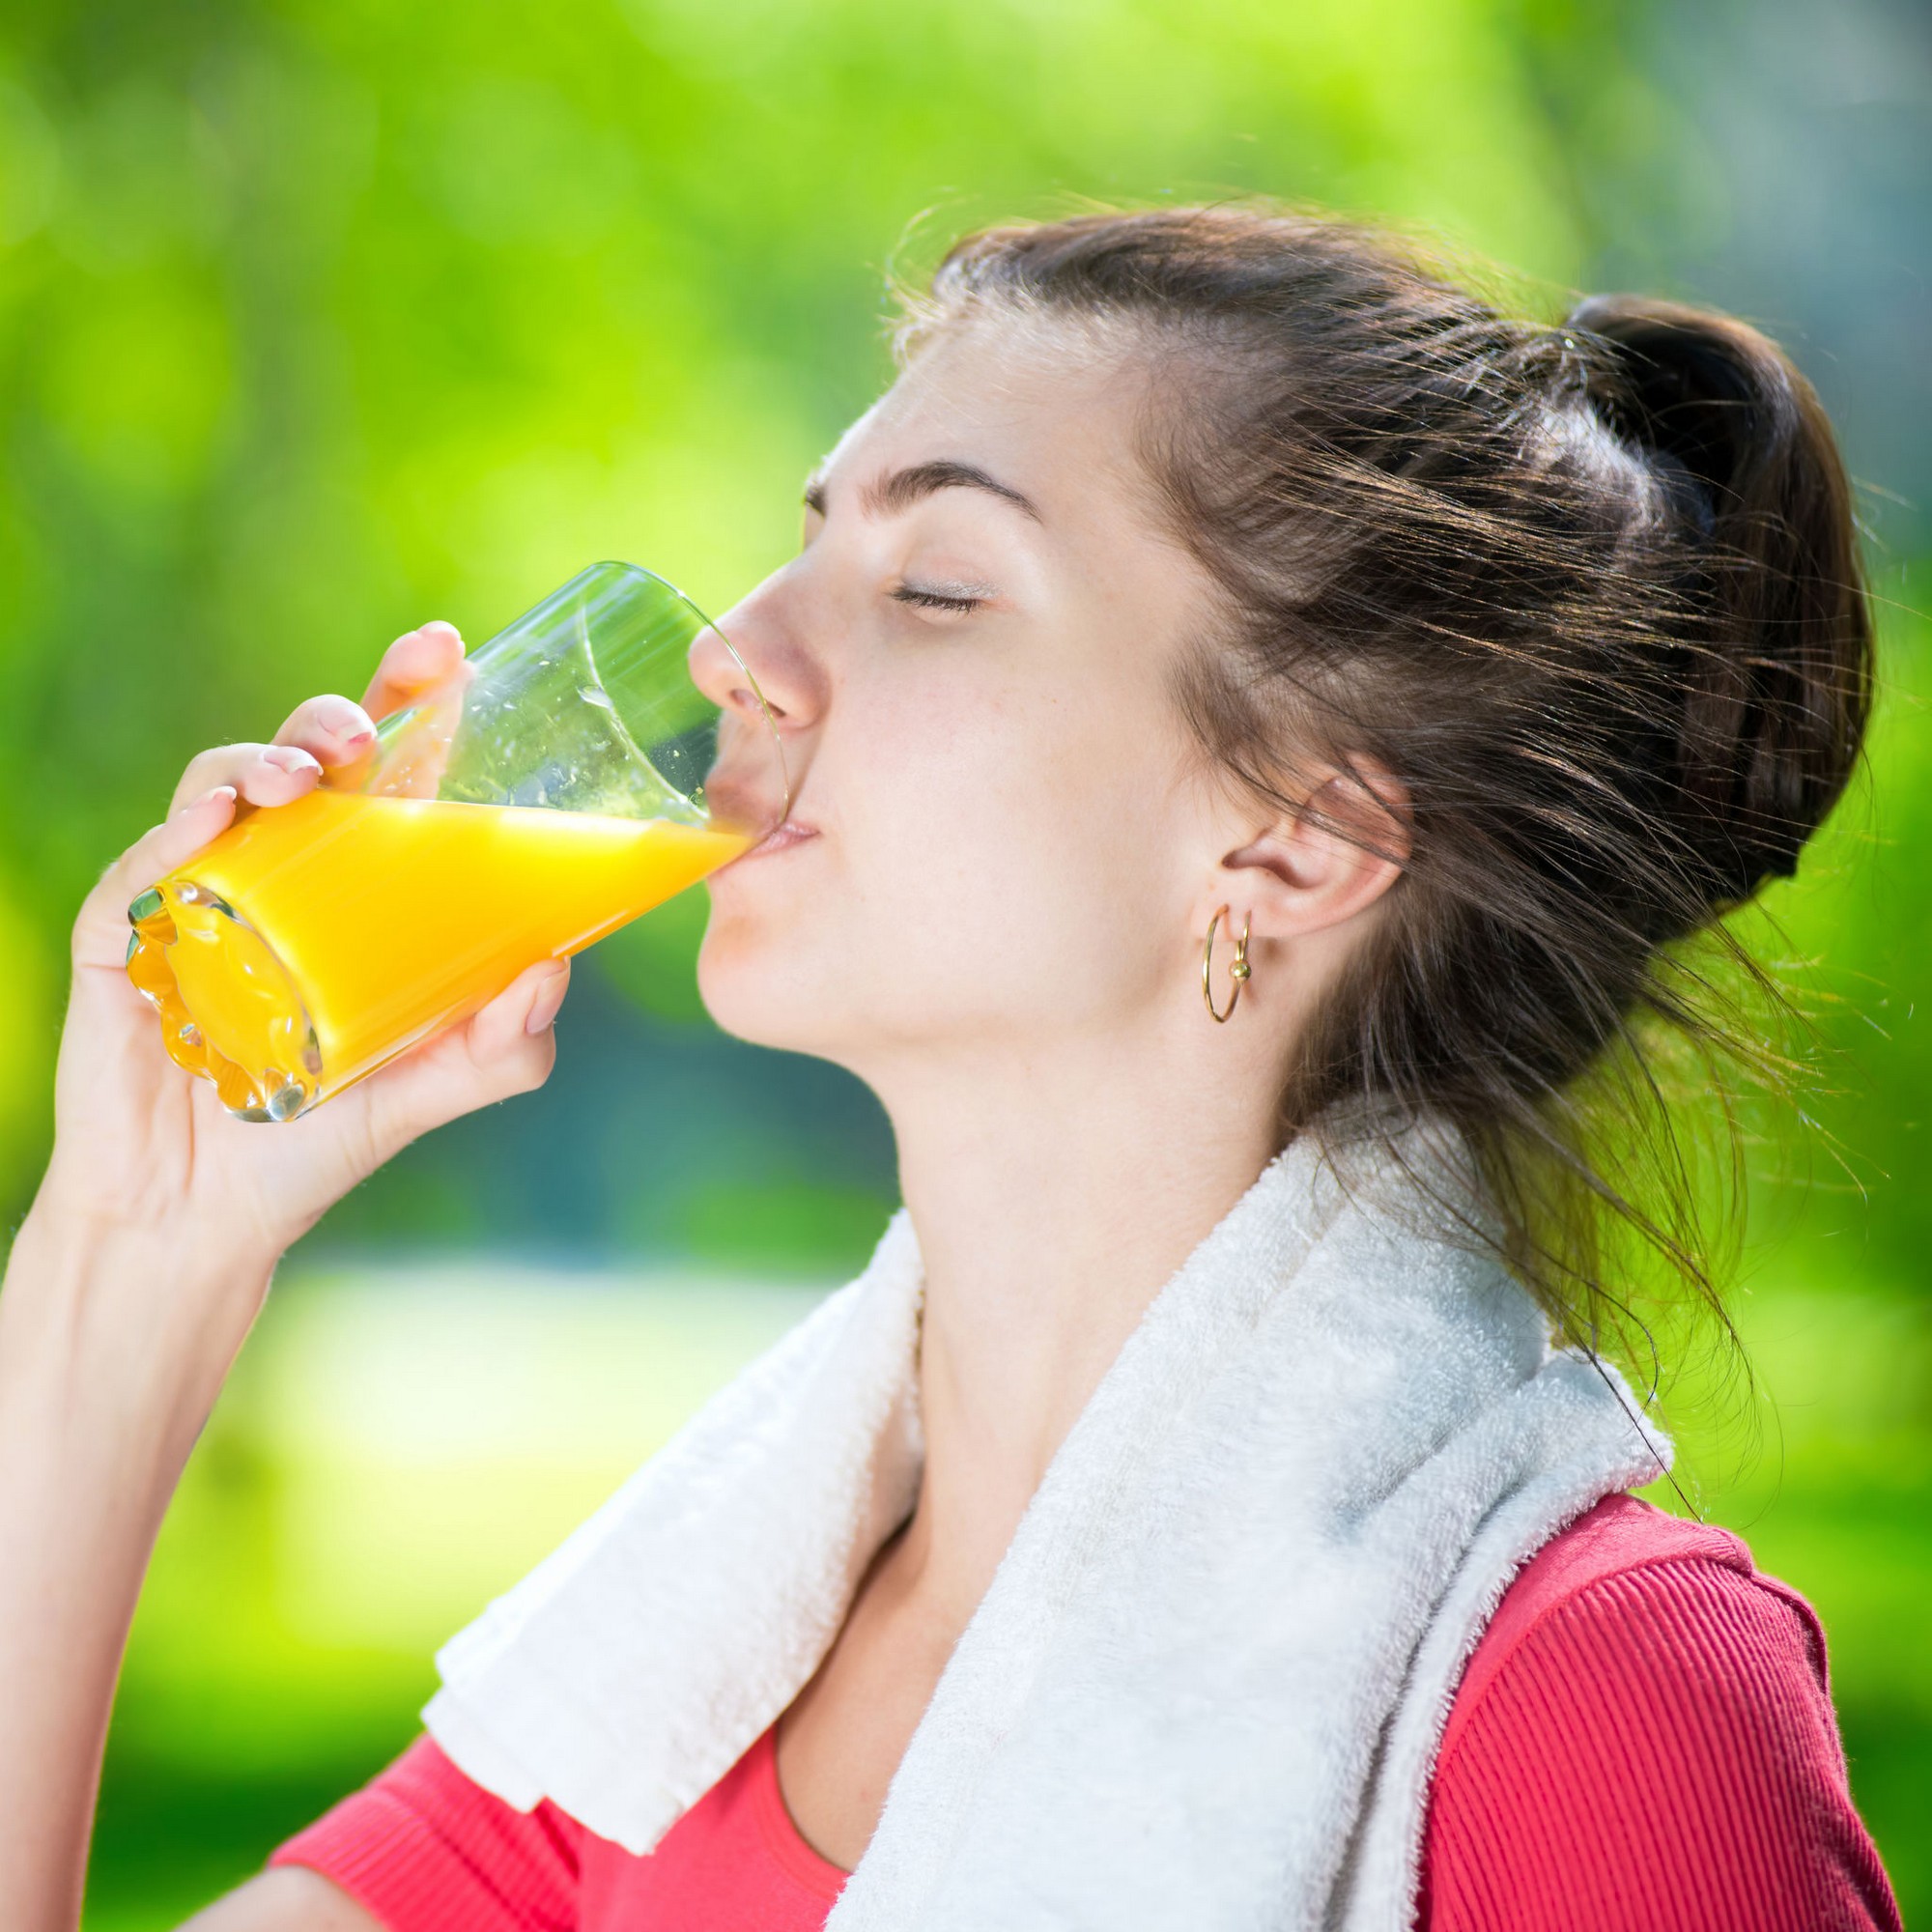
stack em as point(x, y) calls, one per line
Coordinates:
point(261, 773)
point(544, 1008)
point(335, 731)
point(100, 931)
point(525, 1008)
point(417, 659)
point(491, 1057)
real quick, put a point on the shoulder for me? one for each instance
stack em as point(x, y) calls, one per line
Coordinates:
point(1646, 1725)
point(1627, 1555)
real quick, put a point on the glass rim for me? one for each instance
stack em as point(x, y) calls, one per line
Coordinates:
point(705, 622)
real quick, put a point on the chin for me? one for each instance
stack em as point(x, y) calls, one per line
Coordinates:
point(759, 988)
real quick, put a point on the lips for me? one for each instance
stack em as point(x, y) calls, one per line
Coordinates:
point(780, 838)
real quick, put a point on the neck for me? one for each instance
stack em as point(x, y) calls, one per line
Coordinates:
point(1052, 1199)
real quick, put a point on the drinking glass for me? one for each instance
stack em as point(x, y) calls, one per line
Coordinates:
point(567, 777)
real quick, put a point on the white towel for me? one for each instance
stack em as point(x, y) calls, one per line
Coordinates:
point(1208, 1681)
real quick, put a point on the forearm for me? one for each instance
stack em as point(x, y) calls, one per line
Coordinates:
point(112, 1350)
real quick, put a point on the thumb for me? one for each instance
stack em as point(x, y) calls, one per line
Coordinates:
point(101, 929)
point(505, 1048)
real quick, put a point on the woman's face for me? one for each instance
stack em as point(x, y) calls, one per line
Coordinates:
point(1000, 831)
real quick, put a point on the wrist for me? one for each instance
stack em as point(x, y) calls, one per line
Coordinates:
point(117, 1333)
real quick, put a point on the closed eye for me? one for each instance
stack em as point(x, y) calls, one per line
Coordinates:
point(936, 600)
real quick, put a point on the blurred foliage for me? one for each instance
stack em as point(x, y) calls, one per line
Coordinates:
point(317, 321)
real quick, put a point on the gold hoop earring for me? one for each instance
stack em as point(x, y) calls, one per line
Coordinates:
point(1238, 972)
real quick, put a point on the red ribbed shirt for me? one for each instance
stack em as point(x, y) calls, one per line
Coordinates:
point(1644, 1741)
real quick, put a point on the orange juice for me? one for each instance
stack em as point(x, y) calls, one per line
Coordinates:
point(313, 941)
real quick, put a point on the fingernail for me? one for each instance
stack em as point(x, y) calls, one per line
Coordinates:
point(288, 758)
point(208, 797)
point(346, 725)
point(550, 997)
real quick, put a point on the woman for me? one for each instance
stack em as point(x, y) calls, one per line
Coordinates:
point(1263, 726)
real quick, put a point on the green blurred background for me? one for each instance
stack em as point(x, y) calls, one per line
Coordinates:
point(320, 320)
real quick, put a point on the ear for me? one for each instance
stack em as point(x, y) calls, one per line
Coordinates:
point(1343, 848)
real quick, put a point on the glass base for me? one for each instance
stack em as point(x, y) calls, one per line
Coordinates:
point(231, 1011)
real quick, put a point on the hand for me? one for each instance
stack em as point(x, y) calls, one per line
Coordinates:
point(144, 1261)
point(141, 1144)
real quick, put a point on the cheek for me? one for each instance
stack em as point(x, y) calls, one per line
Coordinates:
point(994, 829)
point(989, 863)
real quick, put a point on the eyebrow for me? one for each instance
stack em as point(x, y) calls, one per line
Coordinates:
point(892, 495)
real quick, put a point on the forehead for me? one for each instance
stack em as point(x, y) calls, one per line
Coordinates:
point(1051, 409)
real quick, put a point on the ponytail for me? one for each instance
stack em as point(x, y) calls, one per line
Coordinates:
point(1774, 704)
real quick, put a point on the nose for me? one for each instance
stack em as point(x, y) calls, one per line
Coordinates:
point(765, 656)
point(753, 666)
point(719, 670)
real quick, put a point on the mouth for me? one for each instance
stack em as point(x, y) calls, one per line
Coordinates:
point(780, 838)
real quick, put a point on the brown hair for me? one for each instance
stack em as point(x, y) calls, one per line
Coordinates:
point(1590, 592)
